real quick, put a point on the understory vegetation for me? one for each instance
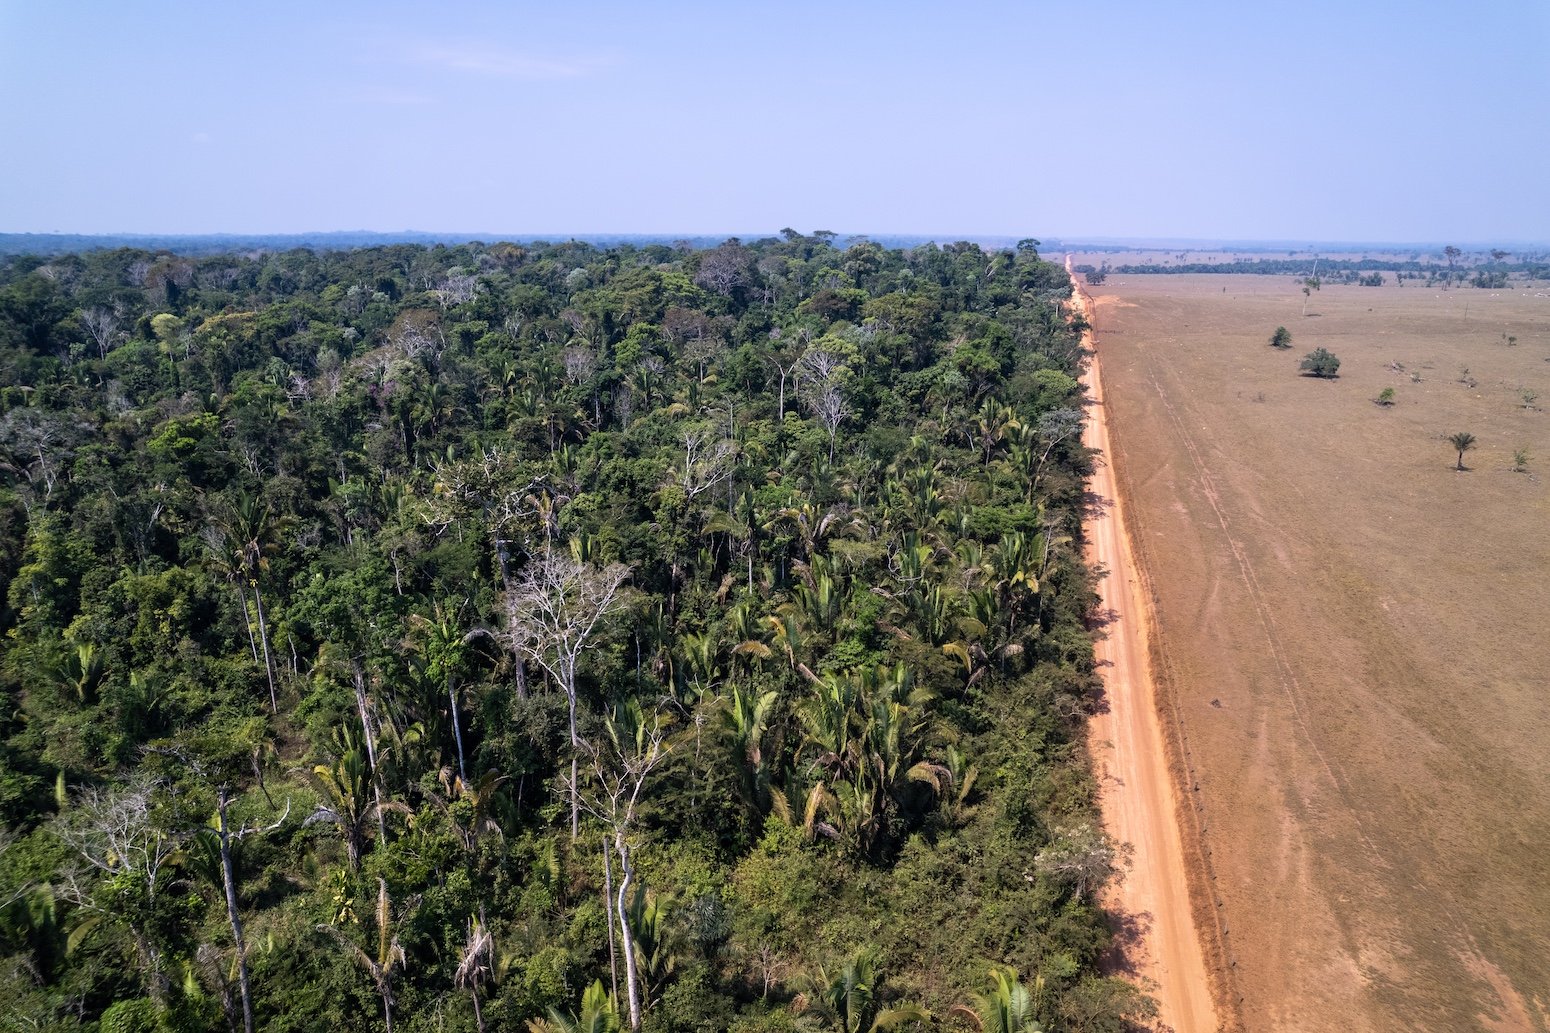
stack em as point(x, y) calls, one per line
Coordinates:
point(546, 637)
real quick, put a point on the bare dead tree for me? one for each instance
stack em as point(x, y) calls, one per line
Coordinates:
point(707, 462)
point(822, 365)
point(785, 371)
point(225, 835)
point(725, 268)
point(555, 609)
point(117, 833)
point(580, 363)
point(37, 445)
point(104, 326)
point(1054, 427)
point(829, 405)
point(703, 352)
point(458, 287)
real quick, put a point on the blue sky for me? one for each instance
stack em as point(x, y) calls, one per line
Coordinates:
point(1365, 121)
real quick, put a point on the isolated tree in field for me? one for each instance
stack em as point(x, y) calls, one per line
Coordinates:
point(1320, 363)
point(1385, 397)
point(1462, 442)
point(1282, 338)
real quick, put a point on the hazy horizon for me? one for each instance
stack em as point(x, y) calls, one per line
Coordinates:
point(842, 238)
point(1218, 122)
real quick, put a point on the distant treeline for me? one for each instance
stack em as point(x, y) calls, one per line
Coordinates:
point(200, 245)
point(1535, 266)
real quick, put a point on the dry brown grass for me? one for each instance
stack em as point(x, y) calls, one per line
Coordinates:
point(1357, 637)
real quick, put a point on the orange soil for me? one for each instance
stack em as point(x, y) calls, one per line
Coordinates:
point(1158, 941)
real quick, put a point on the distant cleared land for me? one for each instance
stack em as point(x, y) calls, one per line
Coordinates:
point(1354, 639)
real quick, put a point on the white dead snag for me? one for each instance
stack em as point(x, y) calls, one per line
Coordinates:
point(555, 608)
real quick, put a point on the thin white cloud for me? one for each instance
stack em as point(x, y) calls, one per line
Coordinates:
point(495, 62)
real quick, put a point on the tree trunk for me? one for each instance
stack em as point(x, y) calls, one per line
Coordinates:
point(229, 881)
point(263, 636)
point(457, 732)
point(569, 671)
point(371, 752)
point(631, 978)
point(247, 620)
point(608, 896)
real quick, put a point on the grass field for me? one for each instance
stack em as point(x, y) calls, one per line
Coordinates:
point(1355, 636)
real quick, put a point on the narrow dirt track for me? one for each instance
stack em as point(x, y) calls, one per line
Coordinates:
point(1159, 942)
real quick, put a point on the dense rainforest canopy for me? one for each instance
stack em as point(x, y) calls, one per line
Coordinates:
point(549, 637)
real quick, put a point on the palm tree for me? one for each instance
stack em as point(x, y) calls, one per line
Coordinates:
point(475, 963)
point(1463, 442)
point(81, 674)
point(598, 1015)
point(651, 928)
point(388, 956)
point(745, 715)
point(348, 789)
point(847, 999)
point(1005, 1008)
point(249, 526)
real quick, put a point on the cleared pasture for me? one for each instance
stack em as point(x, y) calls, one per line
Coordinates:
point(1355, 637)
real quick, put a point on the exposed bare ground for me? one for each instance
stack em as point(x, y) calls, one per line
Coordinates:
point(1158, 945)
point(1353, 638)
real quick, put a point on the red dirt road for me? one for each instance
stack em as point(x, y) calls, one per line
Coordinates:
point(1160, 945)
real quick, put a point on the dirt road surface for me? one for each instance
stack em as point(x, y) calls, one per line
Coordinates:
point(1159, 945)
